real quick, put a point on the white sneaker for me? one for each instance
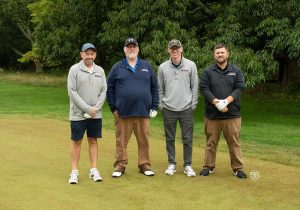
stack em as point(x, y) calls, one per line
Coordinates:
point(171, 169)
point(189, 171)
point(74, 177)
point(95, 175)
point(117, 174)
point(148, 173)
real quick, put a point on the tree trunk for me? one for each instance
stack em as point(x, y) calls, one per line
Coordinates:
point(281, 71)
point(38, 66)
point(203, 8)
point(289, 72)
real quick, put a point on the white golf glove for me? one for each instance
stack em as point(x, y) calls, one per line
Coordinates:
point(153, 113)
point(87, 116)
point(222, 104)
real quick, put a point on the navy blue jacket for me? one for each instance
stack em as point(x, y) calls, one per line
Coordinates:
point(132, 94)
point(217, 83)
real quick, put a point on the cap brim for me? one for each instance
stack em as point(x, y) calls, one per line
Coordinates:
point(174, 45)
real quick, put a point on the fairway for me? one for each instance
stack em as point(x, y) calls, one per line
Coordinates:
point(35, 166)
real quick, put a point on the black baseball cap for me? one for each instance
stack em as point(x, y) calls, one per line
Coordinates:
point(130, 40)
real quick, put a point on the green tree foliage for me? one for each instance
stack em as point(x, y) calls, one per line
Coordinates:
point(266, 33)
point(263, 35)
point(61, 27)
point(16, 30)
point(196, 24)
point(153, 23)
point(8, 33)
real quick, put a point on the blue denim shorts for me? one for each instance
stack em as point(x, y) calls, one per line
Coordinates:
point(93, 128)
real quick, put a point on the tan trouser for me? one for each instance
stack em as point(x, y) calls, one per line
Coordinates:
point(231, 131)
point(124, 128)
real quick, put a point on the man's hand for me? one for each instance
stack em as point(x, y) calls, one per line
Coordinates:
point(93, 112)
point(153, 113)
point(116, 114)
point(222, 104)
point(224, 110)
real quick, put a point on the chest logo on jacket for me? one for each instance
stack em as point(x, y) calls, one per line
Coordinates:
point(146, 70)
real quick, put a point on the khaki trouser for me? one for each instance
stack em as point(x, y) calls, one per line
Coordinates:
point(124, 128)
point(231, 131)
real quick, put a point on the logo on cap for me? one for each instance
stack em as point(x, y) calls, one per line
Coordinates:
point(130, 40)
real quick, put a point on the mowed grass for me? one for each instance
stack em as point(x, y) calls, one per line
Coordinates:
point(270, 123)
point(35, 166)
point(35, 159)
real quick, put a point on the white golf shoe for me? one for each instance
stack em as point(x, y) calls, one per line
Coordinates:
point(74, 177)
point(95, 175)
point(171, 169)
point(189, 171)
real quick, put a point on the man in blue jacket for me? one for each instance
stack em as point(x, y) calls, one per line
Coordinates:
point(132, 96)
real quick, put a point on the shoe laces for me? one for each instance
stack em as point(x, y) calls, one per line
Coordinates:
point(171, 167)
point(74, 174)
point(95, 173)
point(240, 173)
point(189, 169)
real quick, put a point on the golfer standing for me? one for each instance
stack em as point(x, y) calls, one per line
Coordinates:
point(132, 96)
point(87, 92)
point(178, 97)
point(222, 85)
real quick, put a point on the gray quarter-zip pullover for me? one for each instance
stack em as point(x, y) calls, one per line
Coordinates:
point(178, 86)
point(86, 89)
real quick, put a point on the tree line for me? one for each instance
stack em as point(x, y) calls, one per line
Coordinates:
point(263, 35)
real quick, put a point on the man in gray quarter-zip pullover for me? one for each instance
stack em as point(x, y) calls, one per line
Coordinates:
point(178, 97)
point(87, 91)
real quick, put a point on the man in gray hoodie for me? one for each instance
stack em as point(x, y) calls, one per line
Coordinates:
point(178, 97)
point(87, 92)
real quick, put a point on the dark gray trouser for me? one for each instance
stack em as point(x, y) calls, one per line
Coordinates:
point(186, 122)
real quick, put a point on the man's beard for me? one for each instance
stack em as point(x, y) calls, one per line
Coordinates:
point(89, 61)
point(132, 55)
point(221, 61)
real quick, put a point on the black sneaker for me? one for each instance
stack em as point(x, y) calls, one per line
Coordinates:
point(240, 174)
point(206, 172)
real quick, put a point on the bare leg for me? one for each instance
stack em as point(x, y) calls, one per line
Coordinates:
point(75, 153)
point(93, 151)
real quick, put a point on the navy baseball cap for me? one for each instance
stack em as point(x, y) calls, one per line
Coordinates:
point(87, 46)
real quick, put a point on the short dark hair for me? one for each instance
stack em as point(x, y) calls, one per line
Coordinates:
point(221, 45)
